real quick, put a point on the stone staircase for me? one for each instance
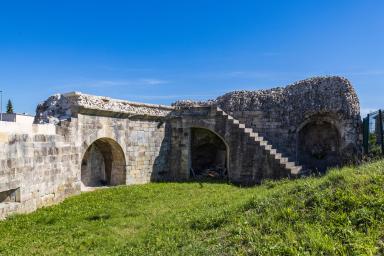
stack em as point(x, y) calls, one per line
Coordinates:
point(291, 167)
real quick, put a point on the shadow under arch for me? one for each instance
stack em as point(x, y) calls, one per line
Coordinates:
point(103, 164)
point(208, 154)
point(318, 143)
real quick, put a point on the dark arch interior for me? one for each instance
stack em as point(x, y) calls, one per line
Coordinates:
point(103, 164)
point(208, 154)
point(318, 146)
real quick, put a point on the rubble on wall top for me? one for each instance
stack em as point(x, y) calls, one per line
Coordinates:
point(313, 94)
point(191, 103)
point(61, 107)
point(301, 93)
point(331, 92)
point(93, 101)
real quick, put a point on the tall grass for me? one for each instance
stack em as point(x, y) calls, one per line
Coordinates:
point(341, 213)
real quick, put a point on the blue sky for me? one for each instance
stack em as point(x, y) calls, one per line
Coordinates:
point(161, 51)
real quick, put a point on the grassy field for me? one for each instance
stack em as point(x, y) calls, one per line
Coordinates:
point(341, 213)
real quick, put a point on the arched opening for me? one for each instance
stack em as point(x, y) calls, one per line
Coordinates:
point(318, 146)
point(209, 155)
point(103, 164)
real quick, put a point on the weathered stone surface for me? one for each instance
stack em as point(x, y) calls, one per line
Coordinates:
point(55, 109)
point(279, 114)
point(64, 106)
point(273, 133)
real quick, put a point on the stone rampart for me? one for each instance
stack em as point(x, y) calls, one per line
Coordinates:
point(280, 114)
point(79, 141)
point(42, 163)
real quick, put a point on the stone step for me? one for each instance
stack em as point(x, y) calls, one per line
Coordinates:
point(289, 164)
point(296, 170)
point(219, 110)
point(273, 151)
point(248, 130)
point(284, 161)
point(259, 138)
point(262, 143)
point(253, 135)
point(278, 155)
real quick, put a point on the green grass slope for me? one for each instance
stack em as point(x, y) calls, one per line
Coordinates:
point(341, 213)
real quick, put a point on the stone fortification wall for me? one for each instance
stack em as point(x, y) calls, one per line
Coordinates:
point(144, 142)
point(296, 102)
point(279, 114)
point(284, 117)
point(41, 163)
point(36, 167)
point(225, 147)
point(312, 124)
point(138, 128)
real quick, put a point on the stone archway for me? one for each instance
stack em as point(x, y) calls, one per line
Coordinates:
point(103, 164)
point(208, 154)
point(319, 145)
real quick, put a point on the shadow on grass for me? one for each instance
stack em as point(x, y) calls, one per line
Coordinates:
point(202, 181)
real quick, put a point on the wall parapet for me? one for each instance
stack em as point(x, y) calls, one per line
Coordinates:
point(64, 106)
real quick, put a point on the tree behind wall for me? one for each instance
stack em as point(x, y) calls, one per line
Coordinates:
point(9, 107)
